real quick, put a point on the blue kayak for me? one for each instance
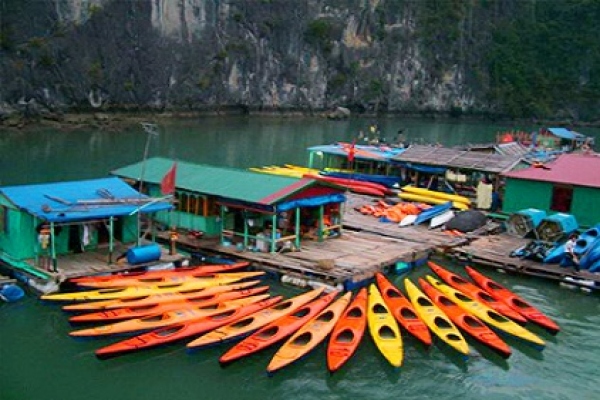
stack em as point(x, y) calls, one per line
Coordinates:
point(385, 180)
point(586, 241)
point(434, 211)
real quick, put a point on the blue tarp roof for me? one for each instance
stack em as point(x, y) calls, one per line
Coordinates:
point(80, 200)
point(364, 152)
point(564, 133)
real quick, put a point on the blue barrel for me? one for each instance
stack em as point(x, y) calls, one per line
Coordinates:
point(143, 254)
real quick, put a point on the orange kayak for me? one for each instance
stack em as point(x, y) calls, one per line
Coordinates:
point(150, 275)
point(347, 332)
point(173, 333)
point(309, 335)
point(474, 291)
point(154, 321)
point(151, 300)
point(170, 279)
point(277, 330)
point(402, 309)
point(245, 326)
point(159, 308)
point(517, 303)
point(467, 322)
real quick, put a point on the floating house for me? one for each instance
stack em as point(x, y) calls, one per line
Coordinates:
point(42, 225)
point(570, 184)
point(250, 210)
point(459, 168)
point(369, 159)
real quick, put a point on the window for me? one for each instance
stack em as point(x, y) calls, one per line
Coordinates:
point(561, 198)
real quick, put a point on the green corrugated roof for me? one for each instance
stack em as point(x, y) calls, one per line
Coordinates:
point(224, 182)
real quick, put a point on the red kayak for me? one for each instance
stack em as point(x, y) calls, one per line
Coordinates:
point(467, 322)
point(196, 270)
point(403, 309)
point(172, 333)
point(347, 332)
point(277, 330)
point(475, 292)
point(517, 303)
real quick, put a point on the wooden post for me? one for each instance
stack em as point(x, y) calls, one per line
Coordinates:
point(111, 243)
point(273, 232)
point(320, 223)
point(245, 229)
point(53, 248)
point(222, 222)
point(297, 228)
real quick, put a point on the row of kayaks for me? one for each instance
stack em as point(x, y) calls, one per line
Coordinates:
point(241, 311)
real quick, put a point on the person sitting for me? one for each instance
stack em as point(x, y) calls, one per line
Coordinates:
point(571, 258)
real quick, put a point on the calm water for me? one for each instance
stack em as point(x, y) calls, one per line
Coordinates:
point(38, 360)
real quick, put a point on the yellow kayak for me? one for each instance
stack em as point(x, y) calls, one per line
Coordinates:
point(436, 194)
point(249, 324)
point(139, 291)
point(430, 200)
point(309, 335)
point(436, 320)
point(487, 315)
point(167, 318)
point(383, 328)
point(279, 171)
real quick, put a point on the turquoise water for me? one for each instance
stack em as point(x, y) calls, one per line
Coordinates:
point(38, 360)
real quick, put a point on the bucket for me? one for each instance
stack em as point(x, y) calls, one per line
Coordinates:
point(143, 254)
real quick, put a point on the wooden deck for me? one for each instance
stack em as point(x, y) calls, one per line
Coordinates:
point(494, 252)
point(97, 262)
point(348, 260)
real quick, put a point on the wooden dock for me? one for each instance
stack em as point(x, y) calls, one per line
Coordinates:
point(494, 252)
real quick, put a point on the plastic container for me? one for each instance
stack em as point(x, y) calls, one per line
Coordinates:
point(556, 227)
point(524, 222)
point(143, 254)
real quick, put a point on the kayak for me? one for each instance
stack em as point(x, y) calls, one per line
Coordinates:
point(277, 330)
point(441, 219)
point(403, 310)
point(435, 319)
point(151, 300)
point(168, 279)
point(474, 291)
point(140, 291)
point(159, 308)
point(151, 275)
point(384, 328)
point(434, 211)
point(173, 333)
point(438, 195)
point(487, 315)
point(517, 303)
point(347, 332)
point(430, 200)
point(309, 335)
point(245, 326)
point(465, 321)
point(154, 321)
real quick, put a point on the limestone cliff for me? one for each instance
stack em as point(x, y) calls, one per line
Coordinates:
point(366, 55)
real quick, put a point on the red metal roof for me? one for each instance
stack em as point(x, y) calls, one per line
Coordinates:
point(571, 169)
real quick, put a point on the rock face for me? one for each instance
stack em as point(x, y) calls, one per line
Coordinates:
point(249, 55)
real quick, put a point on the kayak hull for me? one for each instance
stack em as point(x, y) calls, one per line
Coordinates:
point(403, 310)
point(347, 332)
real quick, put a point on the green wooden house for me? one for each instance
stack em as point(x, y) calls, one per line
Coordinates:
point(570, 184)
point(248, 209)
point(41, 222)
